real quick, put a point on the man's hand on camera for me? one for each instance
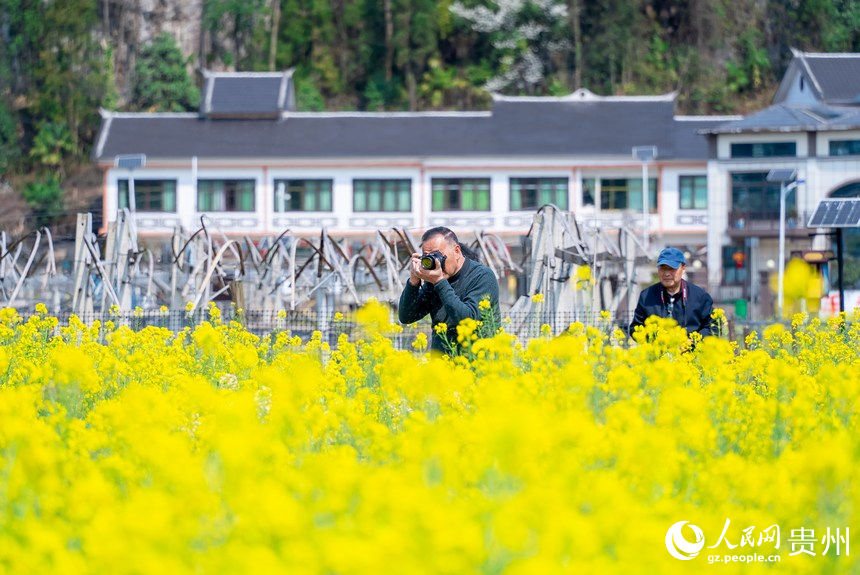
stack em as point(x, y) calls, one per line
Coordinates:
point(415, 265)
point(417, 273)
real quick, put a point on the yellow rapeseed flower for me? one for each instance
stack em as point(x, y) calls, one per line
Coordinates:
point(211, 449)
point(420, 342)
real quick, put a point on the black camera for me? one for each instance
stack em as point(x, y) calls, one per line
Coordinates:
point(429, 261)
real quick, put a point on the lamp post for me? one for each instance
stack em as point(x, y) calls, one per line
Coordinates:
point(787, 182)
point(645, 154)
point(130, 162)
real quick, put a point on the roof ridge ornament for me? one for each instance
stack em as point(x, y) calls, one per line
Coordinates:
point(586, 95)
point(583, 94)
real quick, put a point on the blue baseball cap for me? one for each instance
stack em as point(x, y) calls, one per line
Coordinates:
point(672, 257)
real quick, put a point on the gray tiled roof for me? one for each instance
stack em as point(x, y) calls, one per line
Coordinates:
point(837, 76)
point(848, 120)
point(688, 132)
point(784, 118)
point(248, 95)
point(516, 127)
point(585, 128)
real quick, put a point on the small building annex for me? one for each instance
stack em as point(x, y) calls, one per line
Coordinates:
point(812, 129)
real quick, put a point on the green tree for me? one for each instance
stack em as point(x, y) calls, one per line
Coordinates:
point(236, 32)
point(60, 71)
point(611, 32)
point(844, 34)
point(308, 98)
point(415, 44)
point(161, 82)
point(9, 146)
point(44, 196)
point(329, 44)
point(52, 144)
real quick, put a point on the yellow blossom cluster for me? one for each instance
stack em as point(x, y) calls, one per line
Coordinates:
point(213, 450)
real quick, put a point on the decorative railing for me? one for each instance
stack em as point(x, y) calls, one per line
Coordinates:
point(766, 220)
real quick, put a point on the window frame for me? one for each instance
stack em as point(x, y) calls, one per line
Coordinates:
point(852, 145)
point(589, 191)
point(447, 205)
point(231, 190)
point(695, 178)
point(763, 190)
point(321, 196)
point(535, 184)
point(143, 195)
point(763, 149)
point(609, 190)
point(402, 195)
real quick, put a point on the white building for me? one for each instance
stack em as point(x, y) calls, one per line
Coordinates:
point(254, 166)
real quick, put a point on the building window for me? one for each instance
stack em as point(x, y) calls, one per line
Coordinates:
point(845, 147)
point(851, 190)
point(756, 198)
point(225, 195)
point(587, 191)
point(626, 194)
point(382, 195)
point(694, 192)
point(764, 150)
point(461, 194)
point(303, 195)
point(149, 195)
point(532, 193)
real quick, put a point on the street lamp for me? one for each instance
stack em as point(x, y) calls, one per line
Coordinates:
point(130, 162)
point(645, 154)
point(787, 182)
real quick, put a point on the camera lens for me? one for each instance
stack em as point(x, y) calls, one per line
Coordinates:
point(428, 262)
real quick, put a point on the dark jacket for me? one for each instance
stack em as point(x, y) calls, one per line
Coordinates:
point(452, 300)
point(692, 307)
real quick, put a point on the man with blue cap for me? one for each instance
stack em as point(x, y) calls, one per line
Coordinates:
point(675, 297)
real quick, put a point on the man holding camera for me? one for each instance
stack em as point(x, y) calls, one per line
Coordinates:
point(448, 282)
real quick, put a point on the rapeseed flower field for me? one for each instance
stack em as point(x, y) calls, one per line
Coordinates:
point(213, 450)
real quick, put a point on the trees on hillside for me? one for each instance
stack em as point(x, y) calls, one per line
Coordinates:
point(161, 82)
point(56, 57)
point(59, 75)
point(529, 39)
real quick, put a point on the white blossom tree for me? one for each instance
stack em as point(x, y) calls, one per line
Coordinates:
point(529, 37)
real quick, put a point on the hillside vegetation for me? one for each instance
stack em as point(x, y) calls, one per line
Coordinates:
point(60, 61)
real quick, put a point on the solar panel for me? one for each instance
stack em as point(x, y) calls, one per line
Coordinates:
point(130, 161)
point(781, 175)
point(644, 153)
point(836, 213)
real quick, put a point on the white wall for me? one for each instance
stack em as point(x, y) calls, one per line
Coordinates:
point(669, 221)
point(800, 92)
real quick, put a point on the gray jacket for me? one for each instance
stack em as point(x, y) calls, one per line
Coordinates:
point(450, 301)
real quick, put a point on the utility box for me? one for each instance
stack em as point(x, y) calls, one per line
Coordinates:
point(741, 308)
